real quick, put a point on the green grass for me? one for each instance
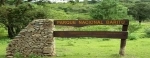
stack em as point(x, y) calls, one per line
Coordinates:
point(94, 48)
point(3, 44)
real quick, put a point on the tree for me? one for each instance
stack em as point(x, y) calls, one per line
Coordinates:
point(16, 18)
point(2, 2)
point(85, 2)
point(140, 11)
point(72, 2)
point(93, 1)
point(18, 2)
point(77, 1)
point(145, 0)
point(109, 9)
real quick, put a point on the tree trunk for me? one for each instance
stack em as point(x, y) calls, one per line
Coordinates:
point(11, 32)
point(140, 22)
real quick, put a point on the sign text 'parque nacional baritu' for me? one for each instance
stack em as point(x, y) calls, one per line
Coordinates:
point(91, 22)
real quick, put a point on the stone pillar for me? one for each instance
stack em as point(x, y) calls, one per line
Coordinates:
point(37, 38)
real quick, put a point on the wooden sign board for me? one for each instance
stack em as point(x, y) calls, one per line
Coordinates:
point(91, 22)
point(101, 34)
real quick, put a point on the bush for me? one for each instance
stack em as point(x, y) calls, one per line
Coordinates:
point(133, 27)
point(147, 31)
point(3, 31)
point(132, 36)
point(109, 9)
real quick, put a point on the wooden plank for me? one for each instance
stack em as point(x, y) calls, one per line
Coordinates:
point(102, 34)
point(90, 22)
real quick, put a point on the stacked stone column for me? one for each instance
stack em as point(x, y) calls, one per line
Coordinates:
point(37, 39)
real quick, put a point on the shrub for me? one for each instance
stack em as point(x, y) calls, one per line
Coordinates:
point(147, 31)
point(133, 27)
point(109, 9)
point(132, 36)
point(3, 31)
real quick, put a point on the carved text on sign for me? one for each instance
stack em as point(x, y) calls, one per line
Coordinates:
point(90, 22)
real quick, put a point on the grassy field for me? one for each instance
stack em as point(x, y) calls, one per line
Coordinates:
point(94, 48)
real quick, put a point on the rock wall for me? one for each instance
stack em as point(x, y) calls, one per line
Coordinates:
point(36, 38)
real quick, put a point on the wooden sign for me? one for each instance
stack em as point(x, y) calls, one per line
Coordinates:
point(91, 22)
point(101, 34)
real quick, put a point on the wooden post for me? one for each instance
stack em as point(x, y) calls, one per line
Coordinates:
point(123, 41)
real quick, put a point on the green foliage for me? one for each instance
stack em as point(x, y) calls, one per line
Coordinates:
point(109, 9)
point(132, 36)
point(133, 27)
point(72, 2)
point(85, 2)
point(130, 1)
point(16, 18)
point(3, 31)
point(145, 0)
point(20, 16)
point(54, 14)
point(68, 11)
point(11, 2)
point(147, 31)
point(77, 8)
point(77, 0)
point(140, 11)
point(93, 1)
point(83, 16)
